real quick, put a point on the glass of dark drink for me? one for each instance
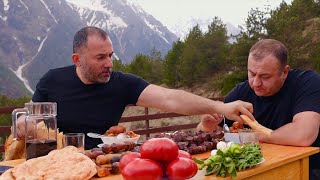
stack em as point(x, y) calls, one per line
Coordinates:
point(40, 127)
point(37, 148)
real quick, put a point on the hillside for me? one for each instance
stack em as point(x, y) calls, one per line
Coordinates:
point(11, 84)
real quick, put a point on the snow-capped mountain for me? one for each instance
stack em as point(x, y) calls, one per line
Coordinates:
point(129, 26)
point(36, 35)
point(183, 28)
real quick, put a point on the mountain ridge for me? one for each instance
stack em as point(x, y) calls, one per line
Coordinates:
point(37, 36)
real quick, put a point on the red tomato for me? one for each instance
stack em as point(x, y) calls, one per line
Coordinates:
point(184, 154)
point(125, 159)
point(181, 169)
point(159, 149)
point(142, 169)
point(194, 168)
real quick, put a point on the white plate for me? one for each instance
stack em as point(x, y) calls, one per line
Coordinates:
point(110, 140)
point(113, 139)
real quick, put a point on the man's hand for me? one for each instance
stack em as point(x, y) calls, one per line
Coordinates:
point(233, 110)
point(209, 122)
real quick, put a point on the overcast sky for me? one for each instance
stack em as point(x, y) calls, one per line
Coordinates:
point(171, 12)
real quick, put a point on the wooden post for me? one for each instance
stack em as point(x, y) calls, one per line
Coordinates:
point(147, 125)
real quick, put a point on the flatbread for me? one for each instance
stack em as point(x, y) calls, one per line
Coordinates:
point(7, 175)
point(256, 126)
point(66, 163)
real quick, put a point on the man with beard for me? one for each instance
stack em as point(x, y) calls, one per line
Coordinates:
point(286, 101)
point(91, 97)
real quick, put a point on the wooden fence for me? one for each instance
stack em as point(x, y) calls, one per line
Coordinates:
point(147, 130)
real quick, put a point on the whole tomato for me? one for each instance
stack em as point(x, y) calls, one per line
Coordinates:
point(142, 169)
point(181, 168)
point(194, 168)
point(184, 154)
point(125, 159)
point(159, 149)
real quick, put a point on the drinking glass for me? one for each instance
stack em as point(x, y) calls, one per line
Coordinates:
point(74, 139)
point(248, 136)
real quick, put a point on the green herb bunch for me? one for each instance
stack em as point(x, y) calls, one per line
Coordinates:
point(230, 159)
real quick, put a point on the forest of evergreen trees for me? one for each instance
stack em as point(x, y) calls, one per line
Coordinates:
point(208, 57)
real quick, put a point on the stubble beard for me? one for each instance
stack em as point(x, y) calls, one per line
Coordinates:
point(91, 76)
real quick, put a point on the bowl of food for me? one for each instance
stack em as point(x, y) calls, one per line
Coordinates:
point(118, 135)
point(233, 135)
point(121, 138)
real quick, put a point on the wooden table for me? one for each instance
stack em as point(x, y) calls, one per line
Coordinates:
point(281, 162)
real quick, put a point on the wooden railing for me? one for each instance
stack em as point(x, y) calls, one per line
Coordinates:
point(147, 130)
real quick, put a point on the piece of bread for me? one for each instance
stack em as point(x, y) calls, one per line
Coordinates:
point(14, 149)
point(256, 126)
point(66, 163)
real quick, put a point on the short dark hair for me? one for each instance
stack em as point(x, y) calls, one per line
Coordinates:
point(81, 37)
point(267, 47)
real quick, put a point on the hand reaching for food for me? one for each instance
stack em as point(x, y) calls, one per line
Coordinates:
point(209, 122)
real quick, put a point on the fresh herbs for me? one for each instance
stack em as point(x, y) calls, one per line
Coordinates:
point(230, 159)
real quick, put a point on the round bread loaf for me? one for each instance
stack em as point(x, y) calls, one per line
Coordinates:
point(66, 163)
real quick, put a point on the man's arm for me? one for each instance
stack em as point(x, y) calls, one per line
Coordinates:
point(211, 122)
point(302, 131)
point(182, 102)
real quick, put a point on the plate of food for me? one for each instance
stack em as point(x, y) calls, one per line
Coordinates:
point(233, 135)
point(121, 138)
point(116, 134)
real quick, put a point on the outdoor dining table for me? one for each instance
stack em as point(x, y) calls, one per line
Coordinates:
point(280, 162)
